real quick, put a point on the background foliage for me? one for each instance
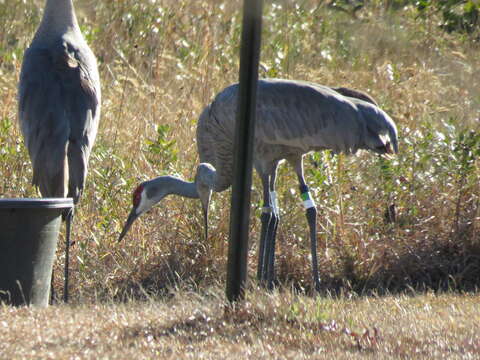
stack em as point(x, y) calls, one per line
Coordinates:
point(413, 222)
point(456, 15)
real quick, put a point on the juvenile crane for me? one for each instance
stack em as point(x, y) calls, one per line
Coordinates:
point(293, 118)
point(59, 105)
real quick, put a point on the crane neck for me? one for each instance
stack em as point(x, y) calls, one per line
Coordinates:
point(184, 188)
point(58, 19)
point(162, 186)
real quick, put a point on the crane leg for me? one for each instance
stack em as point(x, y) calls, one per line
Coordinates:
point(266, 217)
point(269, 220)
point(265, 220)
point(266, 255)
point(52, 289)
point(68, 224)
point(270, 250)
point(311, 218)
point(311, 214)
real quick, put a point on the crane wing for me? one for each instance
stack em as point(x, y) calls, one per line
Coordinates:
point(307, 117)
point(297, 115)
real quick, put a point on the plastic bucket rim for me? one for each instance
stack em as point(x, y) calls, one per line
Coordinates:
point(40, 203)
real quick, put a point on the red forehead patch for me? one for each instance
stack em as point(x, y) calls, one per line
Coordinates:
point(137, 195)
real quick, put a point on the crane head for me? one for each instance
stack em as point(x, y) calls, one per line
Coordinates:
point(383, 144)
point(151, 192)
point(381, 134)
point(140, 205)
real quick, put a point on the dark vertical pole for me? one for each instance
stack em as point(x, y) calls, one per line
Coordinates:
point(244, 135)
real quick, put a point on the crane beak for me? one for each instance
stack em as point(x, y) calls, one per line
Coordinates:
point(390, 151)
point(131, 218)
point(204, 193)
point(205, 219)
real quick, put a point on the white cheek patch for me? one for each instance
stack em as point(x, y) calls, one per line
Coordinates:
point(307, 200)
point(144, 205)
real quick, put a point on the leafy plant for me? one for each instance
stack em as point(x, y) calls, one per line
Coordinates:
point(161, 62)
point(162, 151)
point(458, 15)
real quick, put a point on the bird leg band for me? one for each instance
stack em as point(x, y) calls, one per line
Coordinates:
point(307, 200)
point(274, 202)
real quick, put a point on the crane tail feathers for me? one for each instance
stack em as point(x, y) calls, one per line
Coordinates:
point(78, 155)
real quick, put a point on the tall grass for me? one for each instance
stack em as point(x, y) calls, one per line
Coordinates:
point(383, 225)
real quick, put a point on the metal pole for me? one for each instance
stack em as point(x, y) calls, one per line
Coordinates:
point(244, 135)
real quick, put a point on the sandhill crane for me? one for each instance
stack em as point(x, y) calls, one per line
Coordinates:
point(59, 106)
point(293, 118)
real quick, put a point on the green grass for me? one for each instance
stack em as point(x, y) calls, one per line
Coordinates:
point(161, 62)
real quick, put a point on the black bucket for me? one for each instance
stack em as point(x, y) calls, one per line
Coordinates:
point(28, 240)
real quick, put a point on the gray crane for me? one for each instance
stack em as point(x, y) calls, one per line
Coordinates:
point(293, 118)
point(59, 106)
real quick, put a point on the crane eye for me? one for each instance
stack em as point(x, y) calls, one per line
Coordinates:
point(137, 195)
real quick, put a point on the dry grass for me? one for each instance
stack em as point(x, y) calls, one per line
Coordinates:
point(161, 62)
point(270, 326)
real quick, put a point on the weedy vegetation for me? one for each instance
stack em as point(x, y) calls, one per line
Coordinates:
point(386, 227)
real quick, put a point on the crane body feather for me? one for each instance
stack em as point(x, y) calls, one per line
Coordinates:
point(59, 102)
point(292, 119)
